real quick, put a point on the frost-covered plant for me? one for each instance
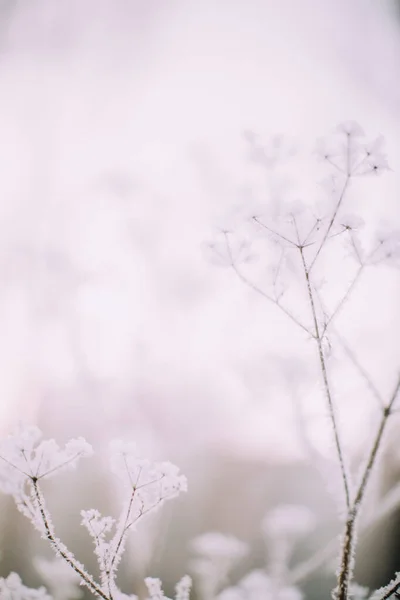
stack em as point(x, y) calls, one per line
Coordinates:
point(299, 234)
point(26, 460)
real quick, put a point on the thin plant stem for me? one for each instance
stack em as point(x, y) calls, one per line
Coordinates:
point(370, 384)
point(60, 548)
point(348, 546)
point(328, 394)
point(254, 287)
point(344, 298)
point(331, 222)
point(276, 233)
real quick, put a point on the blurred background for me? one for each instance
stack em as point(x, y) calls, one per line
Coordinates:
point(121, 146)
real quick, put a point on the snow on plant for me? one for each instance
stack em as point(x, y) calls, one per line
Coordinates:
point(298, 235)
point(26, 460)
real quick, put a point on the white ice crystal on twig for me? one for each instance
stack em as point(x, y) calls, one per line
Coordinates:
point(24, 457)
point(148, 484)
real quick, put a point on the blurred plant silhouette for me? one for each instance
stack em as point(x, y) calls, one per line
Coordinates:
point(299, 236)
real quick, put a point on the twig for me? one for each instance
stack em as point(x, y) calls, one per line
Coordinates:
point(348, 546)
point(331, 222)
point(332, 415)
point(59, 548)
point(370, 384)
point(254, 287)
point(343, 299)
point(276, 233)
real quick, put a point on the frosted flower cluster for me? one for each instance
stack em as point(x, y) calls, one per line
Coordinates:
point(148, 484)
point(151, 481)
point(25, 457)
point(348, 153)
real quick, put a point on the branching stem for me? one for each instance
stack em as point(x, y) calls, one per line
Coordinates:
point(348, 546)
point(331, 222)
point(328, 394)
point(60, 548)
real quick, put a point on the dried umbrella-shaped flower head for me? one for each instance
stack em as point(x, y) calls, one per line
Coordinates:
point(24, 457)
point(151, 481)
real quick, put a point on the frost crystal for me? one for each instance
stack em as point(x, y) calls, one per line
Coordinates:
point(148, 485)
point(152, 482)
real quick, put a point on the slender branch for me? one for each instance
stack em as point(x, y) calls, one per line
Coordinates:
point(254, 287)
point(370, 384)
point(331, 222)
point(279, 235)
point(124, 529)
point(349, 541)
point(122, 534)
point(344, 299)
point(391, 590)
point(327, 388)
point(60, 466)
point(59, 548)
point(313, 228)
